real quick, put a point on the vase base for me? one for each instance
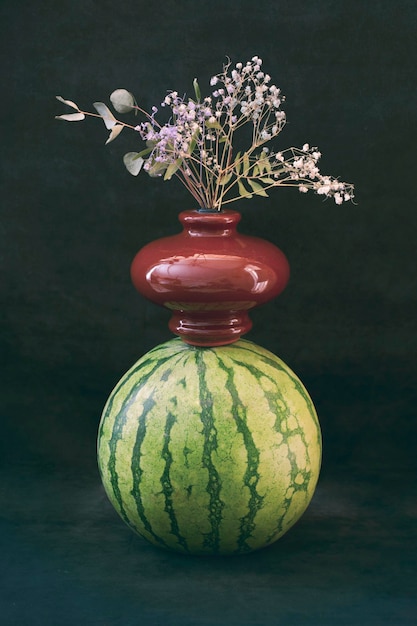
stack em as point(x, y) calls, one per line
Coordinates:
point(210, 328)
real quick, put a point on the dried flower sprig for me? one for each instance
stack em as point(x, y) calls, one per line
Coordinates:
point(198, 142)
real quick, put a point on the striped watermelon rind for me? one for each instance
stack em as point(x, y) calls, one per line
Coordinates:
point(210, 450)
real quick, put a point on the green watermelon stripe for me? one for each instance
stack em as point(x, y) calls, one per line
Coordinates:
point(137, 470)
point(271, 399)
point(167, 487)
point(287, 501)
point(216, 505)
point(118, 428)
point(117, 433)
point(251, 477)
point(111, 466)
point(124, 382)
point(294, 379)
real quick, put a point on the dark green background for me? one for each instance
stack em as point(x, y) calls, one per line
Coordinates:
point(72, 220)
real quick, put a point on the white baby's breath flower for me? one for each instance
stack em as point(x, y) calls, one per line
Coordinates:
point(323, 190)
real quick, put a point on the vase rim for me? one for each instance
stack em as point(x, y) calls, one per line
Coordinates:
point(209, 217)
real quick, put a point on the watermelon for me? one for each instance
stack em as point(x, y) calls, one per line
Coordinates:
point(209, 450)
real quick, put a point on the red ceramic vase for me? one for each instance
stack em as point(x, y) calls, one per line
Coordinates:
point(210, 276)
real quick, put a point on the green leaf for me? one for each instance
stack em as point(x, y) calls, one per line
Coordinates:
point(133, 162)
point(197, 90)
point(193, 142)
point(244, 193)
point(257, 189)
point(265, 164)
point(261, 165)
point(225, 178)
point(212, 125)
point(172, 168)
point(157, 169)
point(246, 163)
point(267, 181)
point(143, 153)
point(238, 163)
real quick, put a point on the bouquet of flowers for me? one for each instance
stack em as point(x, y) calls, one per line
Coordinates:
point(217, 145)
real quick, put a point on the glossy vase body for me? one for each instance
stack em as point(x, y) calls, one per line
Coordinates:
point(210, 276)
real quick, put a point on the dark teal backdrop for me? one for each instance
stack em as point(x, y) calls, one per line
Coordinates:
point(72, 219)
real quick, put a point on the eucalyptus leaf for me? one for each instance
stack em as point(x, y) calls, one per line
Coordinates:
point(122, 100)
point(70, 103)
point(133, 162)
point(108, 117)
point(115, 132)
point(71, 117)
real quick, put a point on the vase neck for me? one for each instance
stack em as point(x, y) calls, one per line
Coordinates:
point(209, 224)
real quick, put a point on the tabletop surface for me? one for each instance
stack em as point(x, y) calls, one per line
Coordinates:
point(68, 559)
